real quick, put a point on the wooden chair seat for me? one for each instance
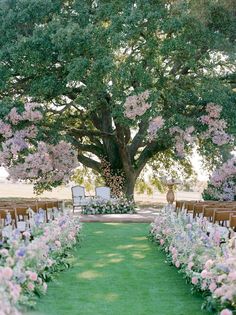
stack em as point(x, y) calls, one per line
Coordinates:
point(222, 217)
point(232, 221)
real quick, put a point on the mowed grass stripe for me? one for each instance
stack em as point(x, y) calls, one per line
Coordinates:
point(117, 271)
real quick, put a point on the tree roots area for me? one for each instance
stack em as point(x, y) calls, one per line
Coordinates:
point(118, 271)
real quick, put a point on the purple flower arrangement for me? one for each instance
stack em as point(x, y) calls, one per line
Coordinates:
point(28, 260)
point(203, 252)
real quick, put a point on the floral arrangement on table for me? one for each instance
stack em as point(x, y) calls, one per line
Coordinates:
point(114, 206)
point(222, 184)
point(203, 252)
point(28, 260)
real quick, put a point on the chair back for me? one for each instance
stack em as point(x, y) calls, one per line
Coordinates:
point(23, 213)
point(179, 204)
point(41, 204)
point(51, 204)
point(208, 212)
point(78, 193)
point(103, 192)
point(198, 209)
point(222, 216)
point(189, 205)
point(50, 207)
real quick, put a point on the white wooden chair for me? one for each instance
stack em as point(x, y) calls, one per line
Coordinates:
point(103, 193)
point(78, 197)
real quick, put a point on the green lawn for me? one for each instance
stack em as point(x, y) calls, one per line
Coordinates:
point(118, 271)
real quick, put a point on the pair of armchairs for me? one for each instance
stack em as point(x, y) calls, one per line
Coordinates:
point(80, 199)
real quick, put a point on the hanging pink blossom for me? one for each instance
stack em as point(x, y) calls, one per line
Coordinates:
point(27, 159)
point(216, 126)
point(182, 138)
point(29, 114)
point(136, 105)
point(222, 182)
point(47, 165)
point(5, 129)
point(14, 116)
point(227, 170)
point(154, 125)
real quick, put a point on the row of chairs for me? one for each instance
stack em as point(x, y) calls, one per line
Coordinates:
point(221, 212)
point(19, 211)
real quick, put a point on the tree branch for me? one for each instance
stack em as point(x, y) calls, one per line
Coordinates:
point(138, 139)
point(90, 148)
point(84, 132)
point(124, 153)
point(148, 152)
point(96, 166)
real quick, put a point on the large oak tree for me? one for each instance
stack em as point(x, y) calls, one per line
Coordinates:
point(81, 59)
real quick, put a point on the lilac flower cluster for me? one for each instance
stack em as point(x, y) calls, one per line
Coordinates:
point(154, 125)
point(28, 159)
point(182, 138)
point(136, 105)
point(222, 184)
point(216, 126)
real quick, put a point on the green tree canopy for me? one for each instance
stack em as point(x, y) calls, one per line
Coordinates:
point(81, 59)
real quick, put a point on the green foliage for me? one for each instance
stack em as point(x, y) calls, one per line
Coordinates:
point(87, 178)
point(169, 165)
point(210, 193)
point(143, 186)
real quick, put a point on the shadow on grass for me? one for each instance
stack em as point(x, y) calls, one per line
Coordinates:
point(119, 272)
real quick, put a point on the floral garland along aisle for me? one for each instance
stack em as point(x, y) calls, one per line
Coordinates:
point(28, 261)
point(203, 252)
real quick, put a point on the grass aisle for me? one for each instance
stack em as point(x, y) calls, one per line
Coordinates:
point(119, 272)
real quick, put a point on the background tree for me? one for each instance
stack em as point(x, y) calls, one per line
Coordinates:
point(83, 59)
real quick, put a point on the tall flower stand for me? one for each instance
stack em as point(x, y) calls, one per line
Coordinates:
point(170, 183)
point(170, 196)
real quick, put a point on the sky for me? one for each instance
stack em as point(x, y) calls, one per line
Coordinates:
point(197, 165)
point(3, 173)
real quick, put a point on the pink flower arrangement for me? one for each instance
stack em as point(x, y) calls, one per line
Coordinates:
point(32, 275)
point(24, 265)
point(202, 251)
point(7, 273)
point(113, 180)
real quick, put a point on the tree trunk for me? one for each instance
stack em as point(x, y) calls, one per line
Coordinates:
point(129, 185)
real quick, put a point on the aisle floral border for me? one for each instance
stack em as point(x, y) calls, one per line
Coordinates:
point(29, 260)
point(203, 252)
